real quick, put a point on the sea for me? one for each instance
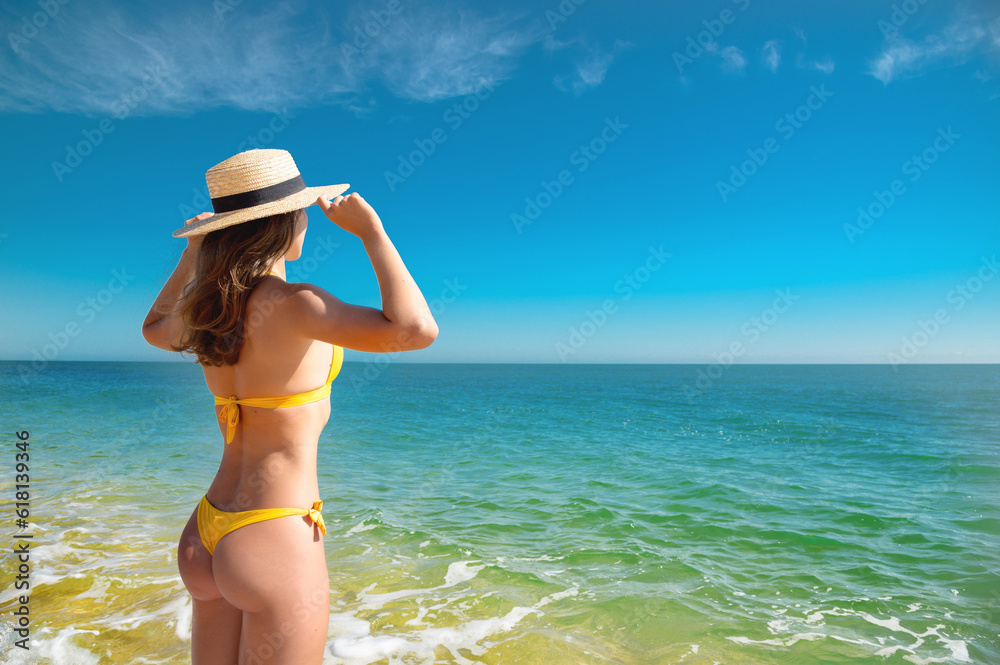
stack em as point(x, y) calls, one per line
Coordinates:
point(550, 514)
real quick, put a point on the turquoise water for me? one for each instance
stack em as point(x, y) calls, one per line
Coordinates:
point(547, 513)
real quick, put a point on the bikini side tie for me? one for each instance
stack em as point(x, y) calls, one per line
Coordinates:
point(317, 517)
point(230, 415)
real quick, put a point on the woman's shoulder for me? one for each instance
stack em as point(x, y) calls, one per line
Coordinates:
point(296, 305)
point(274, 291)
point(304, 297)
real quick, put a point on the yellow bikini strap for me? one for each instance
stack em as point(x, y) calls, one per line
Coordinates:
point(335, 364)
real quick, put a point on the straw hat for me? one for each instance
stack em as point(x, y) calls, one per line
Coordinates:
point(255, 184)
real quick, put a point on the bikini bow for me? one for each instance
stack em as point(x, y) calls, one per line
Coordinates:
point(316, 516)
point(230, 414)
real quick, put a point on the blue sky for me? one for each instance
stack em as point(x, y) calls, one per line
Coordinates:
point(592, 182)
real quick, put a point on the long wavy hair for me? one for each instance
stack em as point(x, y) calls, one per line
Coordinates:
point(230, 263)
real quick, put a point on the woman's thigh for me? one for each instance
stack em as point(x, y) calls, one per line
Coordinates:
point(216, 626)
point(275, 571)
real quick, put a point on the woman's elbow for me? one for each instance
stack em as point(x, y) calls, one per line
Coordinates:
point(149, 335)
point(155, 335)
point(423, 334)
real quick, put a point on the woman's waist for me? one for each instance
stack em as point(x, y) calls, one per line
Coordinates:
point(270, 481)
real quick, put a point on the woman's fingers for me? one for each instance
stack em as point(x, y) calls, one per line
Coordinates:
point(329, 207)
point(326, 204)
point(198, 218)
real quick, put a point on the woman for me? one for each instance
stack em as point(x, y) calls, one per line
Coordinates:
point(252, 554)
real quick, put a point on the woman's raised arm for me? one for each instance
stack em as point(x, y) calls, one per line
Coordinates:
point(404, 322)
point(162, 327)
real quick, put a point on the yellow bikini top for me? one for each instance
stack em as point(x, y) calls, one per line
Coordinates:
point(230, 413)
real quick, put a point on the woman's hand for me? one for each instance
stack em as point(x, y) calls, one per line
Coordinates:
point(194, 242)
point(353, 214)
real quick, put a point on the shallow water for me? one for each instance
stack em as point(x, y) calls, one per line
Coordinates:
point(546, 514)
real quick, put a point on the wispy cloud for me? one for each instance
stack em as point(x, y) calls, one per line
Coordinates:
point(826, 66)
point(276, 58)
point(732, 59)
point(958, 43)
point(590, 70)
point(433, 56)
point(771, 55)
point(551, 44)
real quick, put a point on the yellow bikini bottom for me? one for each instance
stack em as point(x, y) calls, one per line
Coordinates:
point(213, 523)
